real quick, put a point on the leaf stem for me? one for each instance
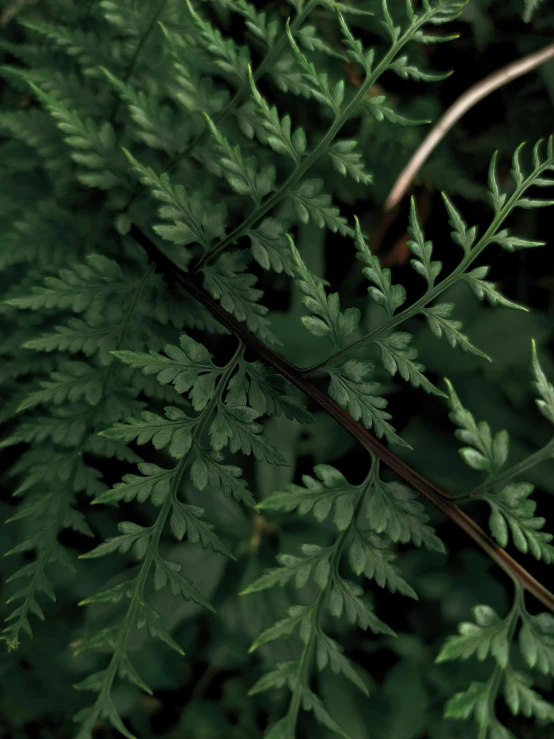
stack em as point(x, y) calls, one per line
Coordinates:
point(546, 452)
point(494, 681)
point(323, 596)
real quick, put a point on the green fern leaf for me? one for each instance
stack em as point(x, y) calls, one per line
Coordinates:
point(511, 508)
point(487, 290)
point(168, 574)
point(389, 296)
point(348, 162)
point(329, 653)
point(461, 235)
point(230, 59)
point(369, 554)
point(317, 84)
point(298, 617)
point(133, 537)
point(74, 381)
point(264, 390)
point(381, 112)
point(270, 247)
point(193, 220)
point(311, 702)
point(329, 491)
point(485, 453)
point(228, 282)
point(471, 701)
point(398, 356)
point(174, 431)
point(489, 635)
point(438, 317)
point(278, 131)
point(311, 204)
point(97, 288)
point(188, 367)
point(422, 250)
point(546, 402)
point(521, 698)
point(208, 472)
point(327, 319)
point(358, 610)
point(187, 520)
point(154, 484)
point(234, 427)
point(243, 175)
point(349, 386)
point(536, 642)
point(392, 509)
point(93, 147)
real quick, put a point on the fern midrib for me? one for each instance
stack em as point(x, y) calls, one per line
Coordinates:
point(143, 40)
point(541, 455)
point(157, 529)
point(322, 598)
point(457, 274)
point(496, 677)
point(318, 152)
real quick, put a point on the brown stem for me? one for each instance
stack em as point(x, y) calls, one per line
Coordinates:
point(470, 97)
point(440, 499)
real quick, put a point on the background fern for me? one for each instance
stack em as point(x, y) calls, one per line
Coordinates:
point(207, 321)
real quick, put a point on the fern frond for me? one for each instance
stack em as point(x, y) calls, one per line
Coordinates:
point(225, 424)
point(494, 636)
point(438, 315)
point(228, 281)
point(329, 492)
point(70, 425)
point(89, 51)
point(231, 59)
point(93, 147)
point(126, 417)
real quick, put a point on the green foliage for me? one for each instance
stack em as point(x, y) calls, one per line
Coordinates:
point(185, 190)
point(492, 636)
point(338, 596)
point(512, 510)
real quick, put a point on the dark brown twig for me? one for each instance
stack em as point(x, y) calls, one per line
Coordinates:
point(440, 499)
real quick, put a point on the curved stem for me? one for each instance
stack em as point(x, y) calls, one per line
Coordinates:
point(475, 94)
